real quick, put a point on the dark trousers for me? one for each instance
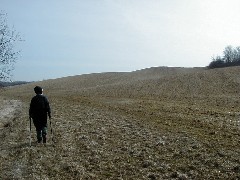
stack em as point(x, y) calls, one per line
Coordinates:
point(40, 124)
point(41, 134)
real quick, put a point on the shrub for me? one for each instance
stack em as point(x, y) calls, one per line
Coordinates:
point(231, 57)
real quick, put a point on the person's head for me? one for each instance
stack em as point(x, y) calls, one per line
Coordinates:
point(38, 90)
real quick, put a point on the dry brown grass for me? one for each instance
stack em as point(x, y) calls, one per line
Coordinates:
point(157, 123)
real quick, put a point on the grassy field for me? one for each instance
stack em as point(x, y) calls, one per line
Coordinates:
point(156, 123)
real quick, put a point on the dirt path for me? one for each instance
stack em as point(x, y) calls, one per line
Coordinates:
point(97, 142)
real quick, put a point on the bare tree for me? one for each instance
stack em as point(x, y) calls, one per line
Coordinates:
point(228, 54)
point(8, 55)
point(237, 54)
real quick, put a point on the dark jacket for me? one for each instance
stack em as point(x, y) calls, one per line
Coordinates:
point(39, 110)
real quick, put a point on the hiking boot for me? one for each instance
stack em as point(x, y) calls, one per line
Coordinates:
point(39, 141)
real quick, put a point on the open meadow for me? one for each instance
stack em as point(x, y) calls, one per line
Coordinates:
point(155, 123)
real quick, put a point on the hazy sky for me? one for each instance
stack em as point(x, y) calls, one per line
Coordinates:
point(71, 37)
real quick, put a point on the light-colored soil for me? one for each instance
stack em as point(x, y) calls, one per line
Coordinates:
point(8, 110)
point(157, 123)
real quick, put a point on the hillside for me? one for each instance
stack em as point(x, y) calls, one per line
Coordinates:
point(100, 82)
point(155, 123)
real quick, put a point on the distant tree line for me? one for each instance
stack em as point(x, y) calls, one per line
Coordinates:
point(231, 57)
point(5, 84)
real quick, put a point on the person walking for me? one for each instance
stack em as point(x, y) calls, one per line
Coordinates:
point(39, 111)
